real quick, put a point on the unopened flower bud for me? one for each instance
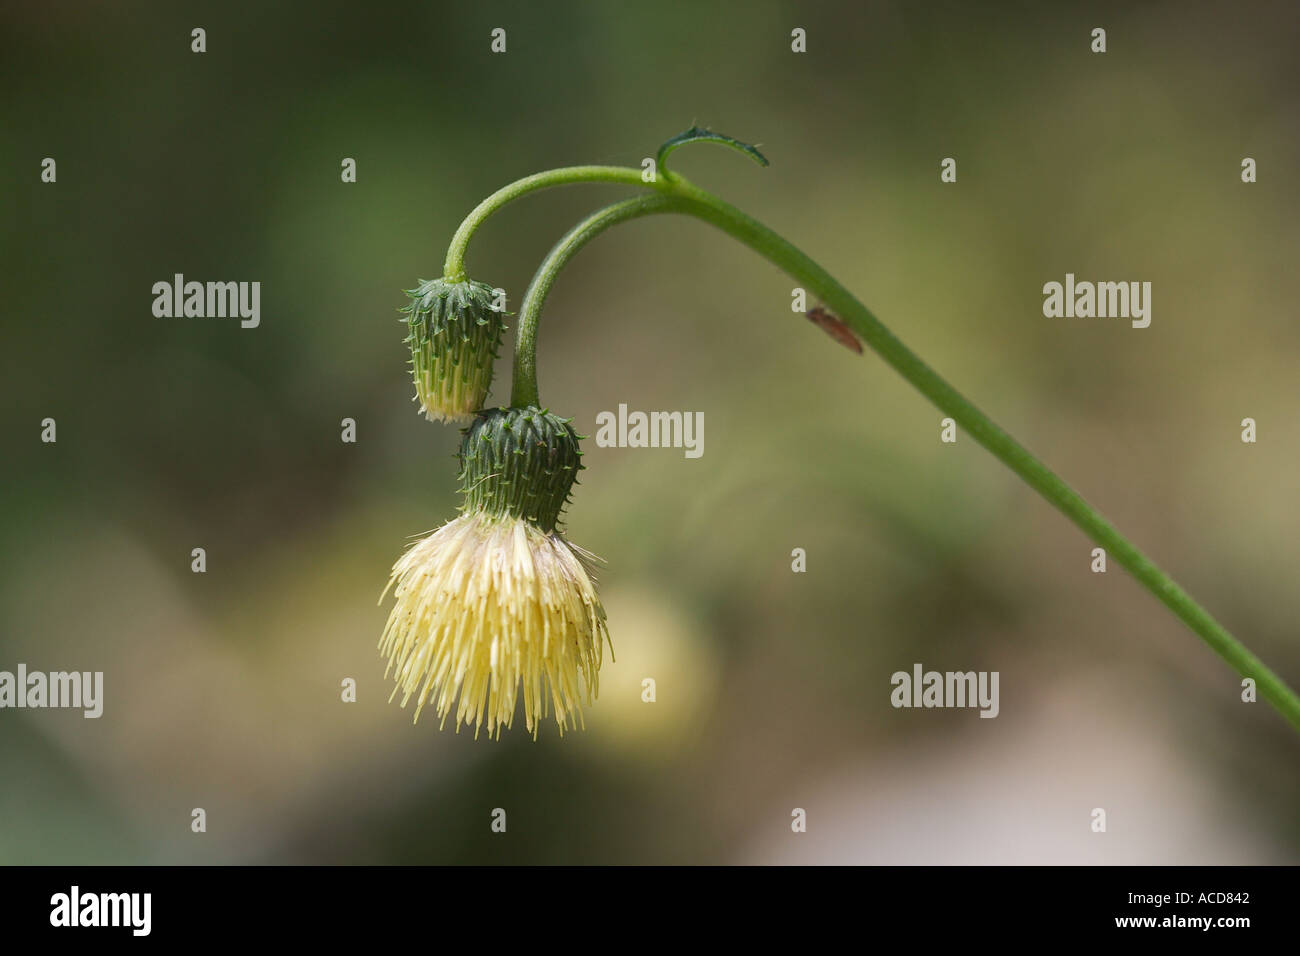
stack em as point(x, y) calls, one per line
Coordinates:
point(454, 332)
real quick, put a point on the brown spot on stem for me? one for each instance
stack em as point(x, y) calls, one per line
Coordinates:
point(835, 328)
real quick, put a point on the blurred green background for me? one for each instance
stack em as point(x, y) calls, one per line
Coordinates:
point(222, 690)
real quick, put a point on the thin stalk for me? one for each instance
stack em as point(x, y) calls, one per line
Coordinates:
point(454, 268)
point(524, 385)
point(679, 195)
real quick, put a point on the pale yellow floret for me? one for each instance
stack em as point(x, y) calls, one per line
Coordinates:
point(450, 399)
point(491, 609)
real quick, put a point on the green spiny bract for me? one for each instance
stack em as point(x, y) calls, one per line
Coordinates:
point(520, 463)
point(454, 334)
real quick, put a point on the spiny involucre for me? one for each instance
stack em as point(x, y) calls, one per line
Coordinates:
point(497, 605)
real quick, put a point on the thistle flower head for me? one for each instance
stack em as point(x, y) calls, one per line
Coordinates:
point(497, 605)
point(454, 333)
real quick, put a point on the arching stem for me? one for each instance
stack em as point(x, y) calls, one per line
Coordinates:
point(675, 194)
point(524, 386)
point(454, 268)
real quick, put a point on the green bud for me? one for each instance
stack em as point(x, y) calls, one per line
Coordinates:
point(519, 463)
point(454, 334)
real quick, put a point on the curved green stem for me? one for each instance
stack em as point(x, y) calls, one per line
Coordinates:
point(682, 196)
point(524, 386)
point(454, 268)
point(1005, 448)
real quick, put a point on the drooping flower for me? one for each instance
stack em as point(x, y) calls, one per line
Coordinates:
point(497, 605)
point(454, 331)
